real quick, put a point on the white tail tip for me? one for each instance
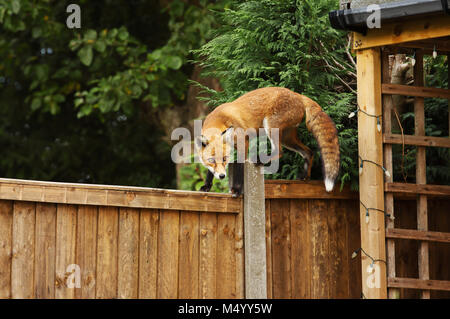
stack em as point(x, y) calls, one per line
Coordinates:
point(329, 184)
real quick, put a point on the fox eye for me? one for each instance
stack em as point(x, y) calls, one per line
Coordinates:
point(211, 160)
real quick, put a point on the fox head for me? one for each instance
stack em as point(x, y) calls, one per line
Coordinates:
point(214, 151)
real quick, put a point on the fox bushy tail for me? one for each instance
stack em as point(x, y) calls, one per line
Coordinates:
point(324, 131)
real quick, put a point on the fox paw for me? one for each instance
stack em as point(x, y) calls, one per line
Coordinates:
point(205, 188)
point(259, 163)
point(303, 176)
point(236, 192)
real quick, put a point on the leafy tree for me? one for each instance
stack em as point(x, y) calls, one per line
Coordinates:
point(97, 104)
point(120, 150)
point(115, 83)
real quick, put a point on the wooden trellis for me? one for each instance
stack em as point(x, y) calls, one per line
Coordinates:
point(377, 190)
point(421, 188)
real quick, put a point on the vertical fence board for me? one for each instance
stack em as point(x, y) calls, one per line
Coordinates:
point(333, 257)
point(128, 266)
point(300, 261)
point(22, 270)
point(107, 252)
point(44, 269)
point(168, 254)
point(6, 221)
point(354, 243)
point(87, 250)
point(319, 248)
point(281, 247)
point(66, 225)
point(338, 261)
point(148, 253)
point(239, 255)
point(189, 255)
point(208, 258)
point(226, 262)
point(269, 250)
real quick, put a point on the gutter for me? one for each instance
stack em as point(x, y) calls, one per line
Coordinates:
point(356, 19)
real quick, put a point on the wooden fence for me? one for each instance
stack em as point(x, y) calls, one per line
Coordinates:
point(310, 237)
point(127, 242)
point(131, 242)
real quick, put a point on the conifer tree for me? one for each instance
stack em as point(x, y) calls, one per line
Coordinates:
point(291, 44)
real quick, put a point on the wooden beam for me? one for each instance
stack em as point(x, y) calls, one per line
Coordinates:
point(400, 49)
point(442, 45)
point(408, 188)
point(416, 140)
point(413, 283)
point(370, 147)
point(389, 197)
point(305, 189)
point(418, 235)
point(403, 31)
point(120, 196)
point(418, 91)
point(421, 173)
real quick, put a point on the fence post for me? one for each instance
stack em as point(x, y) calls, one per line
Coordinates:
point(254, 233)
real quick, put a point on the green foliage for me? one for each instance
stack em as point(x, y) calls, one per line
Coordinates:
point(61, 148)
point(128, 57)
point(193, 177)
point(291, 44)
point(113, 68)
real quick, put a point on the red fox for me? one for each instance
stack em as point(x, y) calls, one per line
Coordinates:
point(271, 107)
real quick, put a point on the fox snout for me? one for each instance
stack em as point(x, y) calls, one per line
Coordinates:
point(219, 171)
point(221, 176)
point(216, 165)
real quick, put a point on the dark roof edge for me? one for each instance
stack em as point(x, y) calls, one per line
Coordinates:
point(356, 19)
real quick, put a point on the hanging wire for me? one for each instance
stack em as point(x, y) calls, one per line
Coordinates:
point(361, 165)
point(355, 253)
point(378, 117)
point(375, 209)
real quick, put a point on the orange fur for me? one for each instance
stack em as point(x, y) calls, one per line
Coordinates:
point(276, 107)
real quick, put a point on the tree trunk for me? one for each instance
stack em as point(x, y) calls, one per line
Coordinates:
point(402, 73)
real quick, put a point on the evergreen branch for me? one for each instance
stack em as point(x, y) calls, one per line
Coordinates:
point(347, 50)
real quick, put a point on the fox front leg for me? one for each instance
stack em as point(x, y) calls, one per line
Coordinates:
point(236, 178)
point(208, 182)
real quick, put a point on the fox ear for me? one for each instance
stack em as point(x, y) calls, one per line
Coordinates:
point(201, 141)
point(228, 134)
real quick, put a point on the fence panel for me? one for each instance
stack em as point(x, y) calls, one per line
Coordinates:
point(69, 241)
point(311, 235)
